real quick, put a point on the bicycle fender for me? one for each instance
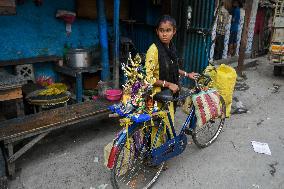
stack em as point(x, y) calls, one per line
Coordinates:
point(119, 140)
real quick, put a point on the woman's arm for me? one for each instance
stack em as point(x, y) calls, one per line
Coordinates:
point(162, 83)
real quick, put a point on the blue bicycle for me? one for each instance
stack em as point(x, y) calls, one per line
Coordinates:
point(139, 151)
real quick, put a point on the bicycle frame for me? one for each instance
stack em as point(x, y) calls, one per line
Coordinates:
point(189, 123)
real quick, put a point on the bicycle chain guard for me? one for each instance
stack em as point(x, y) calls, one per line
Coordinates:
point(170, 149)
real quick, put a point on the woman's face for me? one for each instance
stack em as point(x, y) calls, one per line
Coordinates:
point(166, 32)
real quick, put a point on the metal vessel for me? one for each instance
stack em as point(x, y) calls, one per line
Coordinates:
point(78, 58)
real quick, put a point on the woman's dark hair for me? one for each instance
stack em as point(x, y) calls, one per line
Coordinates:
point(166, 18)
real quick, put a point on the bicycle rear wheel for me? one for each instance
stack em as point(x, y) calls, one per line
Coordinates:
point(209, 132)
point(132, 168)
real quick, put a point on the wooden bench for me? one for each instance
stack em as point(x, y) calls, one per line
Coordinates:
point(37, 126)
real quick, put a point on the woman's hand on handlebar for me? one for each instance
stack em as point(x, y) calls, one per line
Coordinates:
point(173, 87)
point(193, 75)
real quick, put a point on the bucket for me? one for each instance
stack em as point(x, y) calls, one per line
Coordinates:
point(113, 94)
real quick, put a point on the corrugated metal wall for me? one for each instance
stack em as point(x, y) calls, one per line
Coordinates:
point(142, 31)
point(143, 36)
point(190, 44)
point(194, 50)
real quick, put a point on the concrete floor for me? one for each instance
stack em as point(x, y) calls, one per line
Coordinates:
point(67, 158)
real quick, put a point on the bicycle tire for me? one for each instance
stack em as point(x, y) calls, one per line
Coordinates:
point(197, 139)
point(115, 173)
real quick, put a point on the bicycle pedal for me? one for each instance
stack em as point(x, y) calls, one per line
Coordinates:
point(188, 131)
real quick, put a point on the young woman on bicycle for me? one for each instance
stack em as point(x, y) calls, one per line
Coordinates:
point(140, 150)
point(162, 67)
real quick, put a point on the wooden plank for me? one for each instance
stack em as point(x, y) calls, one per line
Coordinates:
point(53, 118)
point(21, 136)
point(73, 71)
point(88, 9)
point(11, 94)
point(30, 60)
point(11, 166)
point(7, 3)
point(7, 7)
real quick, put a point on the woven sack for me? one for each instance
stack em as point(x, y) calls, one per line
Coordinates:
point(207, 106)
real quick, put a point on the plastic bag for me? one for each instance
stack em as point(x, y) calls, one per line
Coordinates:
point(223, 79)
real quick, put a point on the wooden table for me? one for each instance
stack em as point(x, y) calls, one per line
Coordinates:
point(14, 93)
point(77, 73)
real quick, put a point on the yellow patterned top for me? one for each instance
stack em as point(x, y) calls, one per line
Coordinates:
point(152, 67)
point(152, 73)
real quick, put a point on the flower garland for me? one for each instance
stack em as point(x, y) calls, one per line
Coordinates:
point(136, 87)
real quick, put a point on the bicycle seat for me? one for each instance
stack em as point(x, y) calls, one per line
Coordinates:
point(164, 96)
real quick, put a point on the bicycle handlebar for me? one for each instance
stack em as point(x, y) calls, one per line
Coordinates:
point(207, 80)
point(197, 86)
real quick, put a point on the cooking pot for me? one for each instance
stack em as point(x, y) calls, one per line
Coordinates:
point(78, 58)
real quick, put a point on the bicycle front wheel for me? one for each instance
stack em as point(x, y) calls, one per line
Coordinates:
point(132, 167)
point(208, 133)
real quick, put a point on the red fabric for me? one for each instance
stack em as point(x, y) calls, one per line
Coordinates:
point(212, 107)
point(259, 22)
point(202, 112)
